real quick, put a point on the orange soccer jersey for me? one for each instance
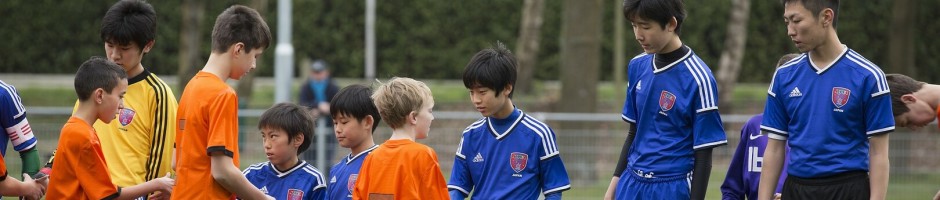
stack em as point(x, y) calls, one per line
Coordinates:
point(80, 169)
point(3, 169)
point(207, 122)
point(401, 169)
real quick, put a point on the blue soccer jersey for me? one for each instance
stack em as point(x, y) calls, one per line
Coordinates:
point(512, 158)
point(13, 121)
point(300, 182)
point(827, 115)
point(743, 176)
point(343, 175)
point(675, 110)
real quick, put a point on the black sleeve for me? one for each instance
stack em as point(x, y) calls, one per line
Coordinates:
point(625, 151)
point(702, 169)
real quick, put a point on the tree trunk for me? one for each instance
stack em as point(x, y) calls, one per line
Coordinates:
point(901, 43)
point(245, 88)
point(729, 65)
point(193, 12)
point(580, 62)
point(620, 57)
point(527, 48)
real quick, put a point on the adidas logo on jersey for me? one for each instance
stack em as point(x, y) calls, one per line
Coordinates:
point(264, 189)
point(478, 158)
point(333, 180)
point(796, 92)
point(639, 85)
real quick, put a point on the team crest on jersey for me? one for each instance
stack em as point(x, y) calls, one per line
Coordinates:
point(666, 100)
point(840, 96)
point(518, 162)
point(351, 182)
point(295, 194)
point(127, 115)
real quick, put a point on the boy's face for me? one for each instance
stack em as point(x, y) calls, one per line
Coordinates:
point(651, 36)
point(487, 101)
point(803, 26)
point(279, 147)
point(919, 115)
point(423, 120)
point(127, 56)
point(112, 103)
point(244, 62)
point(351, 132)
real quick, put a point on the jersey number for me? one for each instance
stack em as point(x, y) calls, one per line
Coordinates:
point(754, 161)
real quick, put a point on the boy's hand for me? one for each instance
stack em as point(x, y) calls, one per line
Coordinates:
point(165, 184)
point(34, 189)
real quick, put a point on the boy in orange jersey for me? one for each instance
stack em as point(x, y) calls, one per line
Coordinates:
point(81, 171)
point(206, 158)
point(400, 168)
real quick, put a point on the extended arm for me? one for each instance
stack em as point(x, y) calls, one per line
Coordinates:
point(771, 168)
point(878, 166)
point(227, 175)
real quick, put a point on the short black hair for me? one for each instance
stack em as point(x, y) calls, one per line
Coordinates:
point(97, 72)
point(240, 24)
point(657, 10)
point(356, 101)
point(816, 6)
point(901, 85)
point(129, 21)
point(292, 119)
point(493, 68)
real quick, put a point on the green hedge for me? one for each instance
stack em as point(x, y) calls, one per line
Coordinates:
point(434, 39)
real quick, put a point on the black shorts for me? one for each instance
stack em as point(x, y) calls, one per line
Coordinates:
point(848, 185)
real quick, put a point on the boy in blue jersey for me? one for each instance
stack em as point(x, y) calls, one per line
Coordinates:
point(743, 175)
point(507, 154)
point(13, 121)
point(831, 107)
point(672, 108)
point(286, 130)
point(354, 121)
point(914, 103)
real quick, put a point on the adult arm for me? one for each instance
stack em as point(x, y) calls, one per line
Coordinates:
point(771, 168)
point(230, 178)
point(878, 166)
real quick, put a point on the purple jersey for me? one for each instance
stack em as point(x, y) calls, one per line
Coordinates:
point(743, 175)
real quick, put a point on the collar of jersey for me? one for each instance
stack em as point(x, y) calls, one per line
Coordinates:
point(499, 135)
point(143, 75)
point(820, 71)
point(280, 174)
point(351, 157)
point(658, 70)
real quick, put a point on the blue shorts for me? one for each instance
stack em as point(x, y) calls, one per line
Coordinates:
point(633, 186)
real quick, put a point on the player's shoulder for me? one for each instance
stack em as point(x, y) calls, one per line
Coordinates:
point(790, 66)
point(156, 85)
point(534, 127)
point(641, 56)
point(535, 123)
point(638, 60)
point(476, 125)
point(254, 168)
point(309, 170)
point(862, 64)
point(6, 88)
